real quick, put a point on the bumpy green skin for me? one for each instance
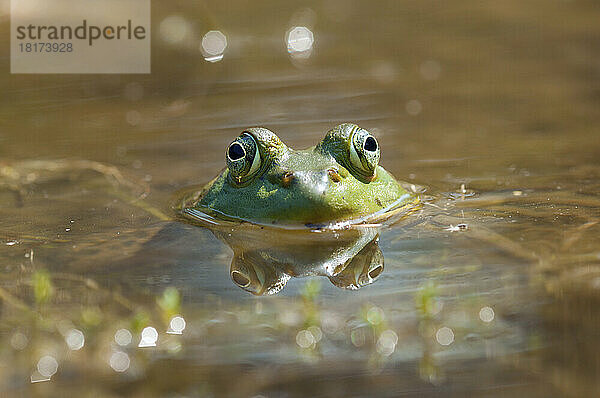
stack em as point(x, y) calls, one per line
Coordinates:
point(313, 196)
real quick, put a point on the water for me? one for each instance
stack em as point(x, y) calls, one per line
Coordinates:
point(493, 106)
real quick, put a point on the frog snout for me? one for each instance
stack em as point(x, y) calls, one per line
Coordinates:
point(310, 182)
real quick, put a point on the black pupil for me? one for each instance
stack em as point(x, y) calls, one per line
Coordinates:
point(236, 151)
point(370, 144)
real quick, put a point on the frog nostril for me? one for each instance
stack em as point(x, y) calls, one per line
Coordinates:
point(374, 273)
point(240, 279)
point(370, 144)
point(236, 151)
point(287, 179)
point(334, 175)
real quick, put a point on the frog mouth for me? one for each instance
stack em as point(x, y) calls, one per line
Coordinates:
point(187, 207)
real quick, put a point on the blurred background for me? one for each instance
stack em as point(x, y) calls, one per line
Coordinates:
point(492, 106)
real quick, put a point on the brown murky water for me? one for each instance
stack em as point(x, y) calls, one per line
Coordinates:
point(494, 106)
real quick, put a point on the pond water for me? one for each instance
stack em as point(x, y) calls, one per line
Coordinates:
point(490, 289)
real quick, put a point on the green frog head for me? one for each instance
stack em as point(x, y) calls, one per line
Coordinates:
point(338, 180)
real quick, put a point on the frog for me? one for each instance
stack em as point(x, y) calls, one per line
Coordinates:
point(338, 180)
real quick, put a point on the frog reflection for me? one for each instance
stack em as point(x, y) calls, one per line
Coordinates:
point(264, 260)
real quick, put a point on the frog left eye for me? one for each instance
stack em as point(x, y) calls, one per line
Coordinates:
point(243, 158)
point(364, 152)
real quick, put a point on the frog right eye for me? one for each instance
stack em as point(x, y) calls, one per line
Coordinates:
point(243, 158)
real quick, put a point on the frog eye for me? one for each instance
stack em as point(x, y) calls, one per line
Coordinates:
point(243, 158)
point(364, 152)
point(354, 148)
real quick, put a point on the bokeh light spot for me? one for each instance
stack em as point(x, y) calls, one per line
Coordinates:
point(375, 315)
point(177, 325)
point(444, 336)
point(149, 337)
point(47, 366)
point(75, 339)
point(213, 45)
point(413, 107)
point(18, 341)
point(300, 41)
point(133, 118)
point(305, 339)
point(358, 337)
point(316, 332)
point(386, 343)
point(486, 314)
point(123, 337)
point(174, 29)
point(119, 361)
